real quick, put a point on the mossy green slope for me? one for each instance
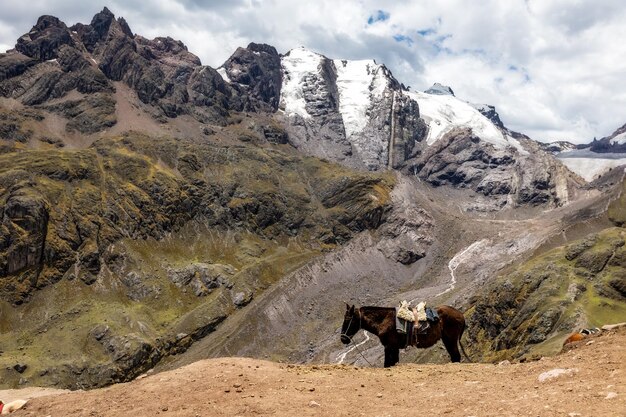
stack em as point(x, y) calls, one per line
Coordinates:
point(532, 310)
point(113, 256)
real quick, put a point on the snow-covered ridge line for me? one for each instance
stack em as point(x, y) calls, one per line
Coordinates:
point(362, 83)
point(443, 113)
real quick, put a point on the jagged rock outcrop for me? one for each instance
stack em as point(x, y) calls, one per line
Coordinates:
point(440, 89)
point(59, 65)
point(52, 60)
point(490, 113)
point(24, 227)
point(45, 39)
point(159, 70)
point(501, 175)
point(92, 114)
point(255, 73)
point(557, 147)
point(202, 278)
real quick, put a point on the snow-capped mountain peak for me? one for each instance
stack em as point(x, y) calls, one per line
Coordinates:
point(444, 112)
point(440, 89)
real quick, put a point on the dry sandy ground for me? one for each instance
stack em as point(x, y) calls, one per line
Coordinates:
point(592, 383)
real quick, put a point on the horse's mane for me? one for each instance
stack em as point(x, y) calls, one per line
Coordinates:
point(377, 308)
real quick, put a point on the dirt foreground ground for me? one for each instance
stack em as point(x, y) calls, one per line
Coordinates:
point(588, 380)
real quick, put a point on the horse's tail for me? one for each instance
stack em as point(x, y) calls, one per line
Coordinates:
point(461, 344)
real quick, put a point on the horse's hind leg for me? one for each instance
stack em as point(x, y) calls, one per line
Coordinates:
point(392, 356)
point(452, 347)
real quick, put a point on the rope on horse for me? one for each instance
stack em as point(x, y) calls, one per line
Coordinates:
point(356, 346)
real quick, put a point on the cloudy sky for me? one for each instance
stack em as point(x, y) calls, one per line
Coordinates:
point(555, 69)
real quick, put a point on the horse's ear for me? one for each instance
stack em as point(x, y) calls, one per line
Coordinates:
point(347, 306)
point(352, 309)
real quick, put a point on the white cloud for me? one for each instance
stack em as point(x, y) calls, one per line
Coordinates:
point(553, 68)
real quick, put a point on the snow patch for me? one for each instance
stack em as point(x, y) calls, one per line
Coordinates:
point(481, 107)
point(588, 167)
point(517, 145)
point(458, 259)
point(443, 113)
point(222, 72)
point(358, 82)
point(298, 66)
point(619, 139)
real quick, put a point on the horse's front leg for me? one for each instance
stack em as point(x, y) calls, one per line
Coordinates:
point(392, 356)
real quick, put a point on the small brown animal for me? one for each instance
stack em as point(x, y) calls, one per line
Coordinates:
point(11, 407)
point(577, 336)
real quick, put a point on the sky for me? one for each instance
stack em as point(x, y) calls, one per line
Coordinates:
point(554, 69)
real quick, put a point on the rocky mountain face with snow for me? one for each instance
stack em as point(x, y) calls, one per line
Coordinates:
point(358, 114)
point(614, 143)
point(335, 109)
point(558, 146)
point(148, 201)
point(352, 112)
point(467, 146)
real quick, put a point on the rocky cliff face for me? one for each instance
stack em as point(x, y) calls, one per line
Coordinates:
point(255, 73)
point(467, 146)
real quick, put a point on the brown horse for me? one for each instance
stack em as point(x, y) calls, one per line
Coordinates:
point(381, 321)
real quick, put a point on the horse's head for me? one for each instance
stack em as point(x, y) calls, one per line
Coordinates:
point(351, 324)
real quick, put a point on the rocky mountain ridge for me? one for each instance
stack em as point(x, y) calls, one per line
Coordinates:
point(357, 113)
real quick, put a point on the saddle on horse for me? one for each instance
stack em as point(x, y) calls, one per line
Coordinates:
point(413, 321)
